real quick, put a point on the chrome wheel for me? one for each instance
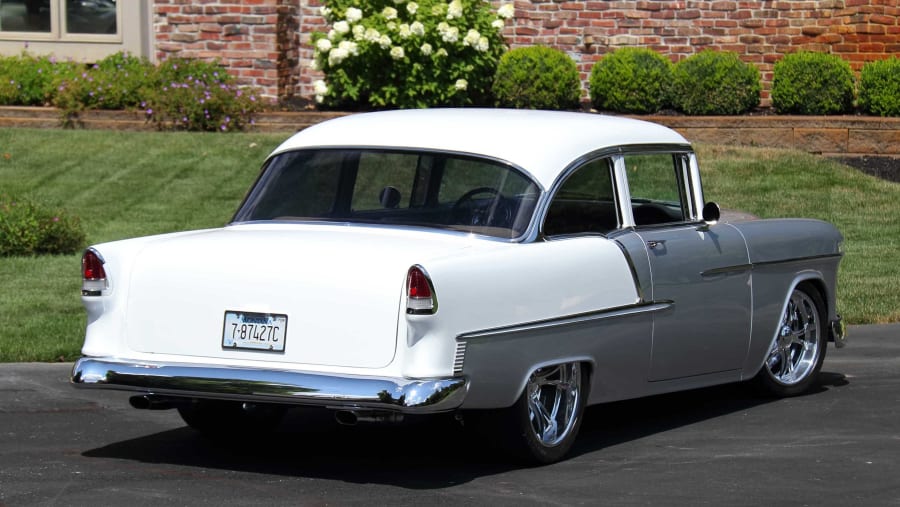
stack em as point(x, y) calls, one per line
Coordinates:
point(795, 353)
point(553, 396)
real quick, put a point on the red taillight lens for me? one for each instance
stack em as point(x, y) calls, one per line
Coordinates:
point(92, 273)
point(419, 295)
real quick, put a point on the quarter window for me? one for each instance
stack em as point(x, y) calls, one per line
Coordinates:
point(585, 203)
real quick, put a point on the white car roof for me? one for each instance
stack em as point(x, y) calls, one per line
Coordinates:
point(541, 142)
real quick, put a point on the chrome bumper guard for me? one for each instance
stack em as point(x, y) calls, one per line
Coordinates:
point(838, 332)
point(410, 396)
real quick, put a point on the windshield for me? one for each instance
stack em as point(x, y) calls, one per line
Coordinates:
point(395, 188)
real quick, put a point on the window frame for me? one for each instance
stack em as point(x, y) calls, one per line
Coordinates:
point(560, 185)
point(133, 35)
point(687, 176)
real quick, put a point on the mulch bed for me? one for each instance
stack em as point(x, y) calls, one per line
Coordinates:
point(886, 168)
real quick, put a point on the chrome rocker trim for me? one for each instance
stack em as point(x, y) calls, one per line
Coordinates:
point(409, 396)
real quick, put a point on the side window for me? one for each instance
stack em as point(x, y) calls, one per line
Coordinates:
point(585, 203)
point(657, 188)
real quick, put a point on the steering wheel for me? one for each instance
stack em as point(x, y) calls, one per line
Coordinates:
point(465, 198)
point(499, 213)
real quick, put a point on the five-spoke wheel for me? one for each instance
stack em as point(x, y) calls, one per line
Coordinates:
point(798, 349)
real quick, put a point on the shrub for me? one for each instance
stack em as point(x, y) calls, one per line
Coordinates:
point(715, 83)
point(384, 54)
point(197, 95)
point(32, 81)
point(631, 80)
point(879, 87)
point(112, 83)
point(28, 228)
point(812, 83)
point(537, 77)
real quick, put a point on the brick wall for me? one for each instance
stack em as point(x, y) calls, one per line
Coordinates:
point(267, 42)
point(255, 39)
point(760, 31)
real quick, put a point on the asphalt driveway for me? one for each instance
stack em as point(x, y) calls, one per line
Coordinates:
point(839, 445)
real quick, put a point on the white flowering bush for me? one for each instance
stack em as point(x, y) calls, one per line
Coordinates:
point(405, 54)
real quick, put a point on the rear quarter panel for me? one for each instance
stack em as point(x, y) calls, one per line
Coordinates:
point(785, 253)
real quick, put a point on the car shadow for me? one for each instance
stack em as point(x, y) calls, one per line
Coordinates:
point(432, 453)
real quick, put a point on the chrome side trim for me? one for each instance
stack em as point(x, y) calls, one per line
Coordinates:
point(754, 265)
point(271, 386)
point(623, 311)
point(737, 268)
point(798, 259)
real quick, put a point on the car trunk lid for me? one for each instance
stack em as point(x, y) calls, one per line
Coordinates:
point(341, 289)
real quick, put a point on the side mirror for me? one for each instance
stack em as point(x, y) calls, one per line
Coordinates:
point(711, 212)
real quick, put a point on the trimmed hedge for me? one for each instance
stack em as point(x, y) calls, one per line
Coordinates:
point(537, 77)
point(812, 83)
point(879, 87)
point(715, 83)
point(631, 80)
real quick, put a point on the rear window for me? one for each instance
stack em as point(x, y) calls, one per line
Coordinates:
point(426, 189)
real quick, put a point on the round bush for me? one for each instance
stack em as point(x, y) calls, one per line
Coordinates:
point(537, 77)
point(28, 228)
point(631, 80)
point(812, 83)
point(715, 83)
point(879, 87)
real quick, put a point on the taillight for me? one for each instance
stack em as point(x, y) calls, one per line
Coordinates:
point(92, 273)
point(420, 298)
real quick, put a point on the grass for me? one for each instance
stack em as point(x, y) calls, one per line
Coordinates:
point(124, 184)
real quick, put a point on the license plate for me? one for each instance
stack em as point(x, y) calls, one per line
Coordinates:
point(255, 331)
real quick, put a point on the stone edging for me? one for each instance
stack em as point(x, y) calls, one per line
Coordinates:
point(827, 135)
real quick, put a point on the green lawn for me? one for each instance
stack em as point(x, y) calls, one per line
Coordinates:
point(126, 184)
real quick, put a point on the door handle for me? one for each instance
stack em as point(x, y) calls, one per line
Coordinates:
point(656, 243)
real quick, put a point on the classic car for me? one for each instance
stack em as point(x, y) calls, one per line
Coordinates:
point(511, 267)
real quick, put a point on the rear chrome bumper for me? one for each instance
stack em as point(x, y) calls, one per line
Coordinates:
point(410, 396)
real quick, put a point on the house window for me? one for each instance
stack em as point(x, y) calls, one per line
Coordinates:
point(84, 30)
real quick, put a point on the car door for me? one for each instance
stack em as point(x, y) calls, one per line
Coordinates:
point(702, 269)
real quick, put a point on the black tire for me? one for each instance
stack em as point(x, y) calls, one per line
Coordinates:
point(796, 354)
point(531, 433)
point(223, 419)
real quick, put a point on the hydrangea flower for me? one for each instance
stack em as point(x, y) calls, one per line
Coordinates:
point(397, 53)
point(323, 45)
point(405, 31)
point(320, 89)
point(498, 24)
point(461, 84)
point(506, 11)
point(471, 37)
point(342, 27)
point(426, 49)
point(349, 46)
point(418, 29)
point(454, 10)
point(389, 13)
point(412, 7)
point(337, 55)
point(353, 14)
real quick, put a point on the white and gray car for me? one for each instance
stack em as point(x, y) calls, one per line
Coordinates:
point(510, 266)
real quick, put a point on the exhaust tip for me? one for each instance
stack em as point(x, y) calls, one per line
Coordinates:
point(346, 417)
point(149, 402)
